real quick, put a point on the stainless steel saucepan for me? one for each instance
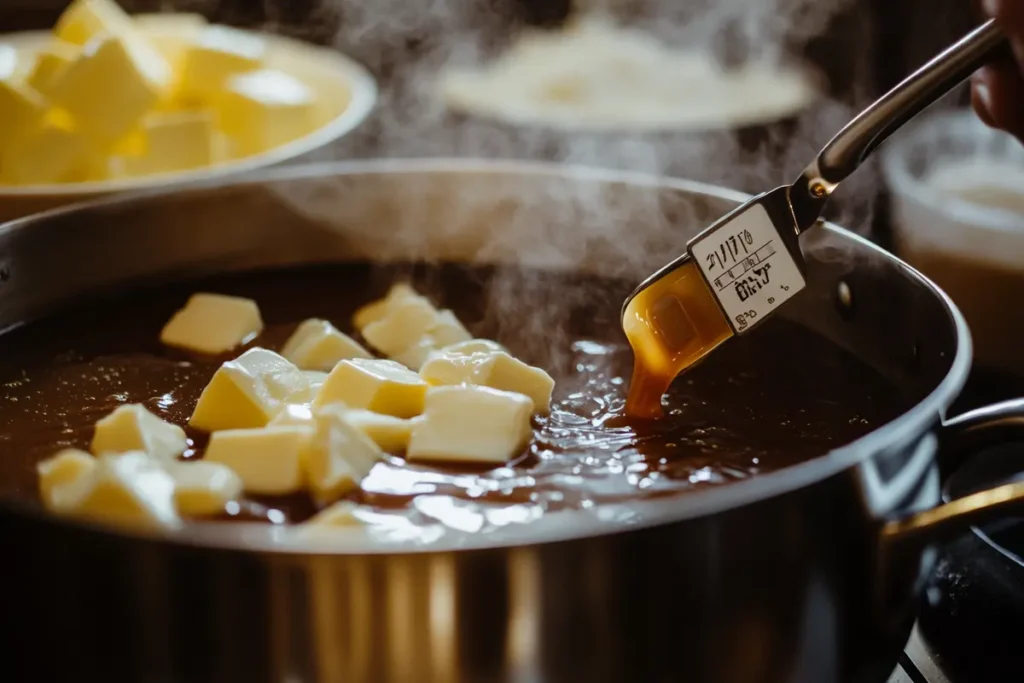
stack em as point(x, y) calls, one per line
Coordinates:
point(808, 574)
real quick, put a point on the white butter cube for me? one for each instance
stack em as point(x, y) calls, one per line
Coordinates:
point(203, 488)
point(402, 326)
point(340, 456)
point(390, 433)
point(318, 345)
point(317, 380)
point(473, 346)
point(174, 141)
point(247, 392)
point(112, 84)
point(49, 151)
point(84, 19)
point(471, 424)
point(445, 331)
point(125, 489)
point(217, 54)
point(341, 514)
point(294, 415)
point(264, 109)
point(269, 461)
point(376, 310)
point(133, 428)
point(495, 369)
point(213, 323)
point(49, 67)
point(64, 468)
point(381, 386)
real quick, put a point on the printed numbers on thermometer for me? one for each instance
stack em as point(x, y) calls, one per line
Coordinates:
point(749, 269)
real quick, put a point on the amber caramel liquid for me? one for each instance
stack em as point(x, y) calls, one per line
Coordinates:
point(671, 325)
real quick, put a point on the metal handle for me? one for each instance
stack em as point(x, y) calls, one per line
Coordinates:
point(964, 434)
point(852, 145)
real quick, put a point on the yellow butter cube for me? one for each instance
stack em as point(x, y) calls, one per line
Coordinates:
point(318, 345)
point(50, 65)
point(294, 415)
point(64, 468)
point(21, 108)
point(376, 310)
point(265, 109)
point(213, 323)
point(112, 84)
point(217, 54)
point(9, 62)
point(402, 326)
point(390, 433)
point(175, 141)
point(247, 392)
point(495, 369)
point(471, 424)
point(125, 489)
point(340, 456)
point(473, 346)
point(133, 428)
point(445, 331)
point(50, 151)
point(381, 386)
point(203, 488)
point(84, 19)
point(269, 461)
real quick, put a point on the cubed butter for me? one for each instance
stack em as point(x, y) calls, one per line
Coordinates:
point(317, 379)
point(10, 61)
point(111, 85)
point(471, 424)
point(473, 346)
point(390, 433)
point(217, 54)
point(318, 345)
point(269, 461)
point(84, 19)
point(203, 488)
point(264, 109)
point(133, 428)
point(49, 151)
point(381, 386)
point(21, 109)
point(445, 331)
point(340, 457)
point(341, 514)
point(495, 369)
point(63, 469)
point(175, 141)
point(171, 33)
point(247, 392)
point(125, 489)
point(50, 64)
point(405, 323)
point(376, 310)
point(213, 323)
point(294, 415)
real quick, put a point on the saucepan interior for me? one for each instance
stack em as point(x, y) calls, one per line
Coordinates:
point(536, 216)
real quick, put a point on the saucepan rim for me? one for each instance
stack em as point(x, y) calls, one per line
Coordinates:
point(919, 419)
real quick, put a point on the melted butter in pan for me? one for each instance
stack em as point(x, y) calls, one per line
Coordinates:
point(755, 407)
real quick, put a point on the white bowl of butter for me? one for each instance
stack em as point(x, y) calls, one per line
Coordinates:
point(958, 216)
point(109, 103)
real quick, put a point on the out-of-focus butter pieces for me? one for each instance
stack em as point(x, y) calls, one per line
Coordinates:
point(294, 415)
point(340, 457)
point(64, 468)
point(265, 109)
point(390, 433)
point(495, 369)
point(203, 488)
point(133, 428)
point(376, 310)
point(317, 379)
point(213, 323)
point(341, 514)
point(84, 19)
point(381, 386)
point(111, 85)
point(445, 331)
point(318, 345)
point(269, 461)
point(404, 324)
point(21, 108)
point(247, 392)
point(473, 346)
point(9, 62)
point(125, 489)
point(217, 54)
point(175, 141)
point(49, 151)
point(50, 64)
point(471, 424)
